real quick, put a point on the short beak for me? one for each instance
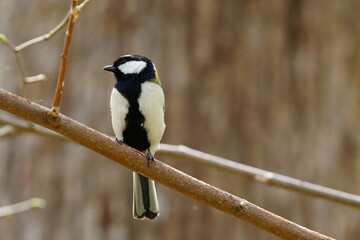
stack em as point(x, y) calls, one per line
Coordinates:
point(109, 68)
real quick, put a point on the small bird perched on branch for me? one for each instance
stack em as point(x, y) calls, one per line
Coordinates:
point(137, 107)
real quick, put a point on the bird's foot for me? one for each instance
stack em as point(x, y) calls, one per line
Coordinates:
point(119, 140)
point(150, 158)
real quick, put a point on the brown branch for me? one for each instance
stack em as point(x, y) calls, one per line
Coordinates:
point(262, 176)
point(160, 172)
point(63, 62)
point(74, 14)
point(13, 126)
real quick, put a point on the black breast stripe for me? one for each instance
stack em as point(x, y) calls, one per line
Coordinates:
point(135, 134)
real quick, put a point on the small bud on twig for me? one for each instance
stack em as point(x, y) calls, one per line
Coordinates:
point(10, 210)
point(3, 38)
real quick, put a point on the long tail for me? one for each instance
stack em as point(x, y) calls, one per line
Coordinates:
point(145, 203)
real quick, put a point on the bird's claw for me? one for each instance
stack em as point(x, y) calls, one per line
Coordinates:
point(119, 140)
point(150, 158)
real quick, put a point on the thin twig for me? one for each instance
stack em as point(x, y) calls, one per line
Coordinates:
point(261, 176)
point(18, 59)
point(82, 5)
point(22, 73)
point(36, 78)
point(45, 36)
point(21, 126)
point(10, 210)
point(63, 62)
point(17, 49)
point(160, 172)
point(7, 131)
point(4, 40)
point(74, 14)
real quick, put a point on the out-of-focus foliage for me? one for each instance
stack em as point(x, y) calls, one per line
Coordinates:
point(273, 84)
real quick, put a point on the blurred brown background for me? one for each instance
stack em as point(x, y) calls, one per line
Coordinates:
point(272, 84)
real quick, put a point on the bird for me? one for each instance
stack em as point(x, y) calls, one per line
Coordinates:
point(137, 105)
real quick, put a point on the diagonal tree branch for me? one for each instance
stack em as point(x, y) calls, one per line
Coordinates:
point(160, 172)
point(14, 126)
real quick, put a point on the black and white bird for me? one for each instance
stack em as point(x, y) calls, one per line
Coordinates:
point(137, 108)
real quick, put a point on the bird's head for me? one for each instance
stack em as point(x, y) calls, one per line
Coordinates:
point(133, 68)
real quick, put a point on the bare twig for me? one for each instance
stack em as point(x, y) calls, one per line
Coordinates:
point(262, 176)
point(20, 126)
point(74, 14)
point(22, 73)
point(4, 40)
point(80, 6)
point(63, 62)
point(160, 172)
point(36, 78)
point(10, 210)
point(45, 36)
point(17, 49)
point(7, 131)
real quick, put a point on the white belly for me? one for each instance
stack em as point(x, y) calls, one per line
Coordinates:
point(119, 106)
point(151, 105)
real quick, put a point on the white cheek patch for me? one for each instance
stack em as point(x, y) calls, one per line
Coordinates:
point(132, 67)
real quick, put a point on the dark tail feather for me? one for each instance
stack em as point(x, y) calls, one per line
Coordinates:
point(145, 203)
